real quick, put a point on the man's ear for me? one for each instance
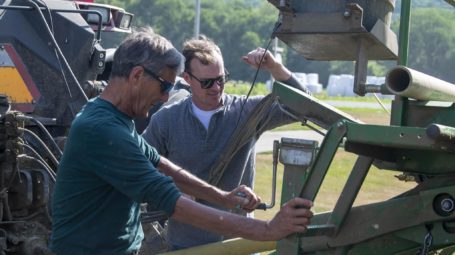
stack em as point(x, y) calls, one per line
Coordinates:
point(186, 77)
point(135, 74)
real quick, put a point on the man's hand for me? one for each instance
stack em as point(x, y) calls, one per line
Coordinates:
point(242, 197)
point(294, 216)
point(269, 63)
point(254, 57)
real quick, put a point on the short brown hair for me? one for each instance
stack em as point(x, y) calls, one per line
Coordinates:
point(201, 48)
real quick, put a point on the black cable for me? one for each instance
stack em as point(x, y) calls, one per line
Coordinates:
point(272, 36)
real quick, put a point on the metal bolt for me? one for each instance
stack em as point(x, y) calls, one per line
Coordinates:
point(347, 14)
point(14, 240)
point(100, 64)
point(101, 55)
point(447, 205)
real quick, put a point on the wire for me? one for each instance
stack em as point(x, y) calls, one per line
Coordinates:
point(49, 13)
point(43, 162)
point(272, 36)
point(380, 103)
point(44, 130)
point(48, 170)
point(43, 145)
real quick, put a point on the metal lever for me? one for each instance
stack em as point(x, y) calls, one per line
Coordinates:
point(264, 206)
point(276, 147)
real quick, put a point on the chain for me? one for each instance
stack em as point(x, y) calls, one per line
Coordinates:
point(427, 242)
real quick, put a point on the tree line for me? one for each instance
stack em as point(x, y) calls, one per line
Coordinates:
point(239, 26)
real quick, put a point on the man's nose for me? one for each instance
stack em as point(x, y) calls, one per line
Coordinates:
point(217, 84)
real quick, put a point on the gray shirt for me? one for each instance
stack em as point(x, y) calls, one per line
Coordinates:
point(178, 135)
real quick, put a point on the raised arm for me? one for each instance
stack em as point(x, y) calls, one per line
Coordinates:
point(192, 185)
point(276, 69)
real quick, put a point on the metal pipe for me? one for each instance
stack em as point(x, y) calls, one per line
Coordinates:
point(197, 19)
point(400, 106)
point(441, 133)
point(237, 246)
point(406, 82)
point(405, 23)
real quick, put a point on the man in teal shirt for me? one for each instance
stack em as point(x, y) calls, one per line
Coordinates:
point(108, 170)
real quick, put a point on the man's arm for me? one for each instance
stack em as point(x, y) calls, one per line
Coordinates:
point(276, 69)
point(192, 185)
point(294, 216)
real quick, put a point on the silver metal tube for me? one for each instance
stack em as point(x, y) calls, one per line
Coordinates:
point(404, 81)
point(197, 19)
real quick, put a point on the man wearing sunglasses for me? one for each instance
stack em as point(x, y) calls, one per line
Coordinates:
point(107, 170)
point(195, 131)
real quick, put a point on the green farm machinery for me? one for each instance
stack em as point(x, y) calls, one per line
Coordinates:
point(418, 144)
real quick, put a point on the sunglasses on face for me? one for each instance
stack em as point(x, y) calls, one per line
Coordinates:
point(208, 83)
point(165, 86)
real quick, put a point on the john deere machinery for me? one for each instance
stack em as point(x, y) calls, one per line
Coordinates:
point(418, 142)
point(53, 55)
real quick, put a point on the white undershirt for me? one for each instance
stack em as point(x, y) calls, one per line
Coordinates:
point(203, 116)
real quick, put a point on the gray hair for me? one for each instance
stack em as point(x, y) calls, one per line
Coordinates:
point(147, 49)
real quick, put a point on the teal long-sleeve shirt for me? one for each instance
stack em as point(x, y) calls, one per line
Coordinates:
point(106, 171)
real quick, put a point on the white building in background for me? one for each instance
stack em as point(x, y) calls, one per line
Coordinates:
point(311, 80)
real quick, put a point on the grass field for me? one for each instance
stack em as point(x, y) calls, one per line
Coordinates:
point(378, 186)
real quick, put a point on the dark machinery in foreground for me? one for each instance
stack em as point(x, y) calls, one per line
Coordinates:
point(51, 57)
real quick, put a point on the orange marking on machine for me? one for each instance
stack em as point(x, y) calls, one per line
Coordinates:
point(15, 80)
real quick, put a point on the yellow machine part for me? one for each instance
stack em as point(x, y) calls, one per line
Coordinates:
point(12, 84)
point(236, 246)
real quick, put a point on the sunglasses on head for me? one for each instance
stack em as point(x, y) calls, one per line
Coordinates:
point(208, 83)
point(165, 86)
